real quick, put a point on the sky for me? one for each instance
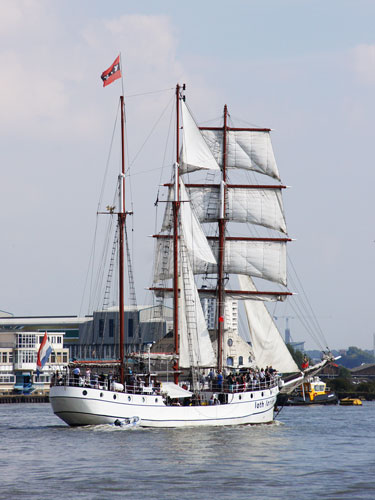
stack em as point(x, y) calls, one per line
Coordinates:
point(306, 69)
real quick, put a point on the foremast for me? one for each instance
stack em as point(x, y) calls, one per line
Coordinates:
point(220, 277)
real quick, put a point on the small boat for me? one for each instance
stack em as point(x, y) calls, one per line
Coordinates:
point(350, 402)
point(127, 422)
point(311, 392)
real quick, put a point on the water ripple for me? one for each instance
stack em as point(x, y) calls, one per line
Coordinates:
point(309, 453)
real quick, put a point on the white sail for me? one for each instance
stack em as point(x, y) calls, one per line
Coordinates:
point(260, 259)
point(195, 344)
point(195, 239)
point(195, 153)
point(259, 206)
point(249, 150)
point(268, 345)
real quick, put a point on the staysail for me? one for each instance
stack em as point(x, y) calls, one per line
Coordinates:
point(195, 344)
point(196, 154)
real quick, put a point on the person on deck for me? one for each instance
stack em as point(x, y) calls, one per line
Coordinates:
point(87, 376)
point(76, 374)
point(219, 381)
point(262, 377)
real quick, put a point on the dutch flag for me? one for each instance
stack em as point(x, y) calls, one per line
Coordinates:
point(44, 352)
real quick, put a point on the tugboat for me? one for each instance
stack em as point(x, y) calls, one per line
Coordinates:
point(314, 391)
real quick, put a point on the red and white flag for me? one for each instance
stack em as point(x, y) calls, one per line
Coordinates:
point(112, 73)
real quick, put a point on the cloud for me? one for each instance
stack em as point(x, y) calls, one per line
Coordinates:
point(147, 45)
point(48, 86)
point(22, 18)
point(363, 63)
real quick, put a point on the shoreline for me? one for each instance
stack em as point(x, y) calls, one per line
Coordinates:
point(24, 398)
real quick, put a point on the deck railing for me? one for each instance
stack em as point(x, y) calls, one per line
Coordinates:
point(141, 388)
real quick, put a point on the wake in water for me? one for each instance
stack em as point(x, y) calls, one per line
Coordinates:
point(119, 424)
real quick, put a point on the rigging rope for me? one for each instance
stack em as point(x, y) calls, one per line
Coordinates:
point(150, 92)
point(149, 135)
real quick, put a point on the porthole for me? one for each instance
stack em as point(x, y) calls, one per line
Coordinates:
point(84, 393)
point(143, 399)
point(240, 397)
point(101, 394)
point(114, 396)
point(251, 395)
point(262, 394)
point(156, 400)
point(129, 398)
point(230, 342)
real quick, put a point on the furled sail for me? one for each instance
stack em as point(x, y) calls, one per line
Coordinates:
point(195, 344)
point(195, 154)
point(260, 259)
point(268, 345)
point(246, 149)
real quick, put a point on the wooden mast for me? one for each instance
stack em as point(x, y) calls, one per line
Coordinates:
point(176, 207)
point(121, 224)
point(220, 284)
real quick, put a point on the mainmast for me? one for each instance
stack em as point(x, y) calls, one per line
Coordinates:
point(121, 224)
point(176, 208)
point(220, 278)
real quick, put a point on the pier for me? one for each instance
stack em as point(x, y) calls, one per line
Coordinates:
point(24, 398)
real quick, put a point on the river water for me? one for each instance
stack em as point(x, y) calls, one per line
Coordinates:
point(308, 454)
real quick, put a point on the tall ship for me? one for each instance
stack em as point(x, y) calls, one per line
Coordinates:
point(217, 237)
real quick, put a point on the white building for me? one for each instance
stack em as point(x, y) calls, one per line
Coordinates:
point(230, 314)
point(18, 356)
point(237, 352)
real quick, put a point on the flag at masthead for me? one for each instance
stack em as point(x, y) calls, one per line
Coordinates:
point(112, 73)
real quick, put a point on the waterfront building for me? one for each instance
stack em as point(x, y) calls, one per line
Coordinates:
point(298, 346)
point(364, 372)
point(68, 325)
point(230, 313)
point(96, 336)
point(236, 351)
point(18, 356)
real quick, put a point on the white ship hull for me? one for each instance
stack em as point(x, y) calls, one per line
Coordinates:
point(87, 406)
